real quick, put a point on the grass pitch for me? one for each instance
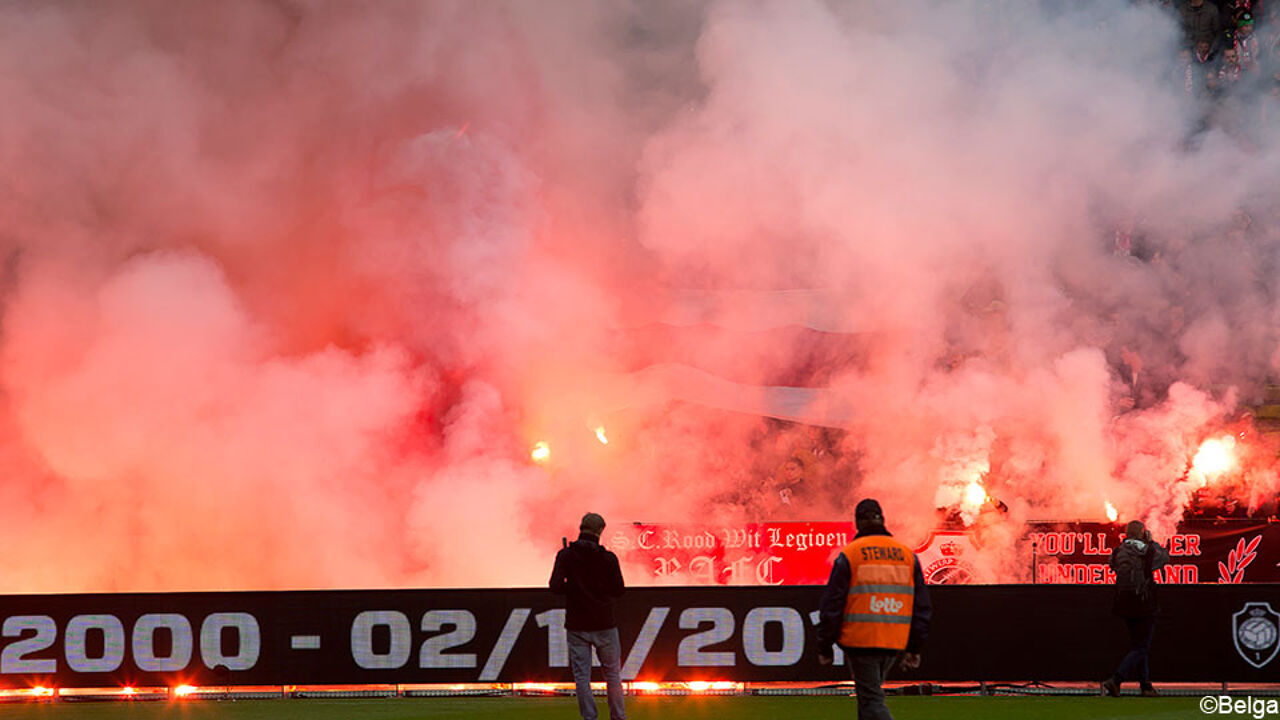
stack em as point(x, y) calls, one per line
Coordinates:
point(638, 708)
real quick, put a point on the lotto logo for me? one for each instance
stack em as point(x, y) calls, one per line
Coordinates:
point(885, 605)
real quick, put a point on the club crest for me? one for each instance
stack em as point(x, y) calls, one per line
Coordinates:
point(1255, 629)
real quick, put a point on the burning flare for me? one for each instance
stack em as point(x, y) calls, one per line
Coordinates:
point(1215, 457)
point(604, 439)
point(541, 452)
point(1111, 511)
point(705, 685)
point(975, 496)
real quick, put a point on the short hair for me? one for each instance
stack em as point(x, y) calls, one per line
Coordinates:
point(868, 511)
point(592, 523)
point(1134, 529)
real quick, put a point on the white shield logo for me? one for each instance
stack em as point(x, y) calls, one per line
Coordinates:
point(1256, 632)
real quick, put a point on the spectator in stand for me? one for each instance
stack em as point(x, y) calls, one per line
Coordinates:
point(1202, 65)
point(1204, 54)
point(1200, 21)
point(1246, 44)
point(792, 486)
point(1204, 79)
point(1198, 504)
point(1232, 10)
point(1229, 71)
point(1251, 6)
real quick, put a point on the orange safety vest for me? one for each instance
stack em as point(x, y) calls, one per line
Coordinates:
point(877, 610)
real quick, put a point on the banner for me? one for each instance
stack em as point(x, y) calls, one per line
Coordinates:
point(1205, 633)
point(800, 553)
point(1200, 551)
point(781, 553)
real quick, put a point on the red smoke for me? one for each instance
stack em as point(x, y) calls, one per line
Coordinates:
point(291, 289)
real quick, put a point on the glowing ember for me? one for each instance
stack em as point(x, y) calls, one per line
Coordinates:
point(1215, 456)
point(703, 685)
point(541, 452)
point(974, 495)
point(604, 439)
point(1111, 511)
point(645, 686)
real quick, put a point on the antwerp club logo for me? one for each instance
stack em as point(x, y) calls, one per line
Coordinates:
point(942, 559)
point(1256, 632)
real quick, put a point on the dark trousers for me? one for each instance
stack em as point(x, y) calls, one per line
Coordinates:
point(869, 671)
point(1141, 630)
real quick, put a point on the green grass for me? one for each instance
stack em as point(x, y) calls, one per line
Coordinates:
point(643, 708)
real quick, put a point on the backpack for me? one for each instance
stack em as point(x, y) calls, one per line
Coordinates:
point(1135, 593)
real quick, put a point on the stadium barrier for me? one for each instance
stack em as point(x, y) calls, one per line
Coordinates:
point(1206, 633)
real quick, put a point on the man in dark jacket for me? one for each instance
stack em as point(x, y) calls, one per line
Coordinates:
point(1135, 601)
point(590, 577)
point(1200, 22)
point(876, 607)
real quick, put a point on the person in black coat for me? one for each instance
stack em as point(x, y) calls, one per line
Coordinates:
point(1134, 561)
point(590, 578)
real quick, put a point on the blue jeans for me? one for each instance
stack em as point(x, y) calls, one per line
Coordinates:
point(609, 648)
point(869, 670)
point(1141, 630)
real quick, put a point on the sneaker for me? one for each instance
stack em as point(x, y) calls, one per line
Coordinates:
point(1110, 687)
point(1150, 692)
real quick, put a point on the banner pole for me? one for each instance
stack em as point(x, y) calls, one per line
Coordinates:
point(1035, 579)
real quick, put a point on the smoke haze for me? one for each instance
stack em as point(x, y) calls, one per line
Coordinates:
point(291, 289)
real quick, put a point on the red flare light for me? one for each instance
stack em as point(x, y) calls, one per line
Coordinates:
point(1215, 457)
point(704, 686)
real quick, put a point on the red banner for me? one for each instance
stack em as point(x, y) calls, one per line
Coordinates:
point(787, 553)
point(800, 553)
point(1200, 551)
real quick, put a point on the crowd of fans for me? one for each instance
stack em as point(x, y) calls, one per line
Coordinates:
point(1230, 64)
point(1232, 499)
point(815, 476)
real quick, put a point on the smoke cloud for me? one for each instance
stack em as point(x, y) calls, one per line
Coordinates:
point(291, 288)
